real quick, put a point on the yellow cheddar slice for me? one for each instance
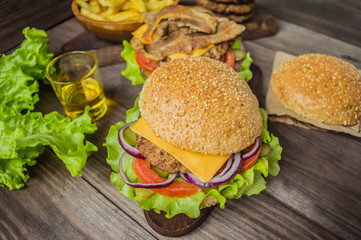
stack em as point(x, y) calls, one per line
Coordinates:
point(139, 33)
point(203, 166)
point(195, 53)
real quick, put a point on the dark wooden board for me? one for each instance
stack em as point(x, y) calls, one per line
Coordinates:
point(54, 205)
point(18, 14)
point(85, 41)
point(338, 19)
point(315, 196)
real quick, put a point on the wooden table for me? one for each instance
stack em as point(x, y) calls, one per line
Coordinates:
point(317, 194)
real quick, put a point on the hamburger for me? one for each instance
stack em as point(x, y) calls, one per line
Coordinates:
point(319, 87)
point(178, 31)
point(199, 138)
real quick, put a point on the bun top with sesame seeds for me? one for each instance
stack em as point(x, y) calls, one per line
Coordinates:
point(201, 105)
point(319, 87)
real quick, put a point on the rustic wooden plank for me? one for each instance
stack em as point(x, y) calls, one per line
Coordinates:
point(338, 19)
point(296, 40)
point(122, 94)
point(305, 201)
point(319, 178)
point(18, 14)
point(54, 205)
point(62, 33)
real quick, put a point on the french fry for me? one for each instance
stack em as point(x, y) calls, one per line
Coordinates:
point(126, 6)
point(115, 3)
point(83, 4)
point(104, 3)
point(120, 10)
point(91, 15)
point(94, 4)
point(138, 5)
point(128, 15)
point(109, 11)
point(155, 6)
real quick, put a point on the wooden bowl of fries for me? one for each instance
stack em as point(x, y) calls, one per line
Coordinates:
point(108, 30)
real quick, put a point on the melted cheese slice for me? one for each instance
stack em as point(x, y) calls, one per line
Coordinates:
point(203, 166)
point(195, 53)
point(140, 32)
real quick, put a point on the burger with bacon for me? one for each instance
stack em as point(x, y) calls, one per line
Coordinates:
point(179, 31)
point(199, 138)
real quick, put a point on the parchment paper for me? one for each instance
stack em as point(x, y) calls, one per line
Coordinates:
point(277, 112)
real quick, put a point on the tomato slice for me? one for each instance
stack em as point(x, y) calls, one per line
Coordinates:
point(145, 63)
point(247, 164)
point(230, 59)
point(179, 189)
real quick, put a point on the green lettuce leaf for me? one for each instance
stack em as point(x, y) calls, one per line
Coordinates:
point(23, 133)
point(265, 135)
point(28, 134)
point(132, 71)
point(64, 136)
point(133, 113)
point(33, 54)
point(244, 70)
point(237, 44)
point(20, 70)
point(249, 182)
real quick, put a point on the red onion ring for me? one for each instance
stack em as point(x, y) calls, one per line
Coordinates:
point(143, 185)
point(132, 151)
point(254, 150)
point(243, 46)
point(228, 166)
point(218, 180)
point(237, 65)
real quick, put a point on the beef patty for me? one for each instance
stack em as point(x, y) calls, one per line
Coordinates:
point(159, 158)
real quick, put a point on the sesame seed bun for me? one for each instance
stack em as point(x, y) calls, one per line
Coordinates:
point(319, 87)
point(201, 105)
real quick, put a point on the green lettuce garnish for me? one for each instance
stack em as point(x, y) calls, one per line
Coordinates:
point(249, 182)
point(132, 71)
point(20, 71)
point(23, 138)
point(244, 70)
point(237, 44)
point(23, 133)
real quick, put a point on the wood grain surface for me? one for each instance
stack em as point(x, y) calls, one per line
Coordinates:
point(317, 194)
point(338, 19)
point(18, 14)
